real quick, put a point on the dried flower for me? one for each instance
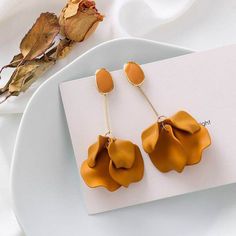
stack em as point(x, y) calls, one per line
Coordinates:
point(38, 51)
point(79, 19)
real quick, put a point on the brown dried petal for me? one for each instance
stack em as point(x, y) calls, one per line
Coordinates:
point(77, 27)
point(16, 60)
point(62, 21)
point(91, 30)
point(79, 19)
point(71, 9)
point(75, 1)
point(40, 37)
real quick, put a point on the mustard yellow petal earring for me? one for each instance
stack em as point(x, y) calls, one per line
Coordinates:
point(111, 162)
point(171, 143)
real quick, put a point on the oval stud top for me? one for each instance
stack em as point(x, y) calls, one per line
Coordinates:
point(134, 73)
point(104, 81)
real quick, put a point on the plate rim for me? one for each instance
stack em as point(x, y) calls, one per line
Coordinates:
point(19, 131)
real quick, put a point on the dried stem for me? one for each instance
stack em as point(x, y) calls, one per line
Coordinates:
point(9, 65)
point(9, 95)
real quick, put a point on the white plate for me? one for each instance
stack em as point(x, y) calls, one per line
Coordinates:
point(45, 184)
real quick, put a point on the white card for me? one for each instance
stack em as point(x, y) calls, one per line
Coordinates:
point(203, 84)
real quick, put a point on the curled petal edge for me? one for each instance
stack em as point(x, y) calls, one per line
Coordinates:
point(184, 121)
point(99, 176)
point(169, 153)
point(94, 150)
point(125, 176)
point(122, 153)
point(150, 137)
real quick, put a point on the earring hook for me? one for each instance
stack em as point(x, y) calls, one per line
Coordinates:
point(105, 85)
point(135, 76)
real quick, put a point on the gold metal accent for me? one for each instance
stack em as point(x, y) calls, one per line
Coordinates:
point(135, 85)
point(96, 73)
point(159, 117)
point(161, 120)
point(149, 102)
point(105, 107)
point(107, 115)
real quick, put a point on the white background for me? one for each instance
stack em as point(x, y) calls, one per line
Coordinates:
point(207, 24)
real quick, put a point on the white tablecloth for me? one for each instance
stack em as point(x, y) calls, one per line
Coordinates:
point(207, 24)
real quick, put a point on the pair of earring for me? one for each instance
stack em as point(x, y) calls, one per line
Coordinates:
point(171, 143)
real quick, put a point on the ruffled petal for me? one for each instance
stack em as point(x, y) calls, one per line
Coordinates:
point(125, 176)
point(194, 144)
point(169, 153)
point(184, 121)
point(122, 153)
point(150, 137)
point(94, 149)
point(99, 175)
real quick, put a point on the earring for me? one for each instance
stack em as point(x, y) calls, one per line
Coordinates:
point(171, 143)
point(111, 162)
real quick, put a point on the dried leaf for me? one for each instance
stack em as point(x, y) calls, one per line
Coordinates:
point(40, 37)
point(25, 75)
point(19, 76)
point(43, 66)
point(16, 60)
